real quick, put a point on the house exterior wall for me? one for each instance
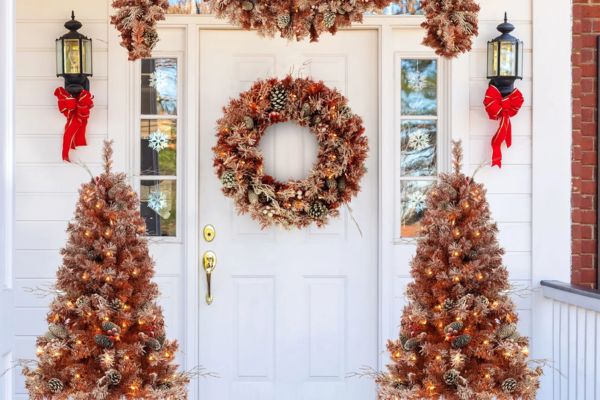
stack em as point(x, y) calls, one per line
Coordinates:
point(586, 23)
point(46, 187)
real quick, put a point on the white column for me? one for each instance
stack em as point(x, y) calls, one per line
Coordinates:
point(551, 201)
point(7, 188)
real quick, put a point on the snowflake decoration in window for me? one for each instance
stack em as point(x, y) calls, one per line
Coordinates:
point(417, 201)
point(158, 141)
point(416, 80)
point(418, 140)
point(157, 201)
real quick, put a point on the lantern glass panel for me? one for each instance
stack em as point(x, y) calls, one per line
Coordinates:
point(59, 57)
point(87, 56)
point(508, 59)
point(520, 60)
point(71, 56)
point(492, 59)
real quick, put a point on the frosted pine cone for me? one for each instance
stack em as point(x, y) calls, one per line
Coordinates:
point(114, 377)
point(228, 179)
point(461, 341)
point(509, 385)
point(451, 377)
point(317, 210)
point(283, 20)
point(55, 385)
point(329, 20)
point(278, 98)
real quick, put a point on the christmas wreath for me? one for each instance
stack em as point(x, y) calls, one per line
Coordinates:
point(295, 19)
point(334, 179)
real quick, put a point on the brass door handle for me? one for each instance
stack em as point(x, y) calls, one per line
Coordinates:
point(209, 262)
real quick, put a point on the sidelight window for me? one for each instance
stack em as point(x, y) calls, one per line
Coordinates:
point(158, 155)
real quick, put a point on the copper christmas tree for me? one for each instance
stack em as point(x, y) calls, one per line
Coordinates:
point(458, 336)
point(136, 21)
point(106, 334)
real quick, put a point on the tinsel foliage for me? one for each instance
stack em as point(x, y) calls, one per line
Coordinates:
point(458, 337)
point(136, 22)
point(295, 19)
point(335, 177)
point(106, 334)
point(451, 25)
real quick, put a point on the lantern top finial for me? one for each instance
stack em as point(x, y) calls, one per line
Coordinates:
point(506, 27)
point(73, 25)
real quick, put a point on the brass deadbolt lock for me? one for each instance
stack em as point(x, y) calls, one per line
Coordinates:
point(209, 233)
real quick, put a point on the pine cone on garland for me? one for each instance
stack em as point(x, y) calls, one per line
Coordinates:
point(450, 25)
point(55, 385)
point(329, 20)
point(136, 21)
point(283, 20)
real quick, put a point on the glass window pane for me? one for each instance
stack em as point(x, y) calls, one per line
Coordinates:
point(418, 146)
point(404, 7)
point(419, 87)
point(59, 57)
point(87, 56)
point(159, 86)
point(158, 147)
point(413, 198)
point(159, 207)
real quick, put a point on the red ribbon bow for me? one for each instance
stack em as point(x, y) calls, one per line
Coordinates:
point(502, 108)
point(77, 111)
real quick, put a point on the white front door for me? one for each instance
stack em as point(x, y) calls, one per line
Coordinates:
point(294, 312)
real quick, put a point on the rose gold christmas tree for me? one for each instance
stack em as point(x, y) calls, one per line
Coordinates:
point(106, 334)
point(458, 336)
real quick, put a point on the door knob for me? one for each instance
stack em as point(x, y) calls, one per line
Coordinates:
point(209, 262)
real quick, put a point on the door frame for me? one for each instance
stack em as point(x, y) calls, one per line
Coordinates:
point(455, 95)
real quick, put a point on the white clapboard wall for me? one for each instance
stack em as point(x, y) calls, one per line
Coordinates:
point(46, 188)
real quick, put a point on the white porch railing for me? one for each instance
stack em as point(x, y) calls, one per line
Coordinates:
point(575, 341)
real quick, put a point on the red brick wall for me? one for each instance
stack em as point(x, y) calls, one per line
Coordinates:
point(586, 27)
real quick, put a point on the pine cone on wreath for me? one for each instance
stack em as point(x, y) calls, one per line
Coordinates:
point(278, 98)
point(451, 377)
point(228, 179)
point(317, 210)
point(55, 385)
point(509, 385)
point(451, 25)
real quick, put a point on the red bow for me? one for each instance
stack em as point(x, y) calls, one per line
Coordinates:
point(77, 111)
point(502, 108)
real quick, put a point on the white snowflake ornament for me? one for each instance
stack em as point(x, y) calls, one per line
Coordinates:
point(157, 201)
point(417, 201)
point(416, 80)
point(418, 140)
point(158, 141)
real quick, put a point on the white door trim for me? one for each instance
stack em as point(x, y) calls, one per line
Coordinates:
point(7, 190)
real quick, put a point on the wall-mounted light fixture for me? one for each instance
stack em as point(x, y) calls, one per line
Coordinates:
point(74, 58)
point(505, 59)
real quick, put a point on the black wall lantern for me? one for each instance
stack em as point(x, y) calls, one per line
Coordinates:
point(505, 59)
point(74, 58)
